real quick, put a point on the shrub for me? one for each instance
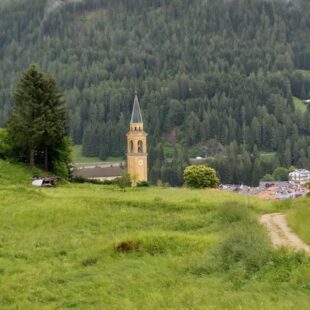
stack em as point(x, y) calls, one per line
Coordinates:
point(200, 176)
point(280, 174)
point(237, 275)
point(5, 148)
point(124, 181)
point(78, 179)
point(247, 246)
point(288, 266)
point(95, 181)
point(36, 172)
point(128, 246)
point(232, 212)
point(268, 178)
point(143, 184)
point(109, 182)
point(61, 169)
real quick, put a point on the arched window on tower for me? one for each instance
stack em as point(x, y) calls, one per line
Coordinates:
point(131, 146)
point(140, 146)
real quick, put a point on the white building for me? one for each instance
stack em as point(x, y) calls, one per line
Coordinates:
point(300, 177)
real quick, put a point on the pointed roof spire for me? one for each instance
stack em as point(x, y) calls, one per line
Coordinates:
point(136, 116)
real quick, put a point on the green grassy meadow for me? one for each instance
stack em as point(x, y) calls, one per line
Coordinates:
point(306, 73)
point(299, 105)
point(299, 218)
point(78, 156)
point(197, 249)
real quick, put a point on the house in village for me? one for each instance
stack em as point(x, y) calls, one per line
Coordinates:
point(299, 177)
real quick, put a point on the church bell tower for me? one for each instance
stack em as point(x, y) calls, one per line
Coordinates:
point(136, 146)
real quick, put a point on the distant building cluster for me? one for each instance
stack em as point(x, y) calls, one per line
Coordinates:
point(276, 190)
point(299, 177)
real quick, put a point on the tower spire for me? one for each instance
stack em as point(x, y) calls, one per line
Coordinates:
point(136, 116)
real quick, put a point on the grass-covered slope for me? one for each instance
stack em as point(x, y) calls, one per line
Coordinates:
point(198, 250)
point(299, 218)
point(306, 73)
point(13, 174)
point(79, 158)
point(299, 105)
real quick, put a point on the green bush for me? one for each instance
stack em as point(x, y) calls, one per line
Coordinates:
point(247, 245)
point(288, 266)
point(200, 176)
point(280, 174)
point(143, 184)
point(61, 169)
point(36, 172)
point(124, 181)
point(80, 179)
point(268, 178)
point(5, 148)
point(232, 212)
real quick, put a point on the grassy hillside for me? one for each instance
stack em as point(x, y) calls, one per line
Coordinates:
point(306, 73)
point(16, 174)
point(299, 219)
point(197, 249)
point(78, 156)
point(299, 105)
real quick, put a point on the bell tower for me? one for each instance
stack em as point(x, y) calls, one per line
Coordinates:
point(136, 146)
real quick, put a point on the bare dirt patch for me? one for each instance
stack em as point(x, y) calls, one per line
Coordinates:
point(281, 234)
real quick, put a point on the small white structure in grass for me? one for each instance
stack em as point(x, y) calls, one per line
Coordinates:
point(37, 182)
point(300, 177)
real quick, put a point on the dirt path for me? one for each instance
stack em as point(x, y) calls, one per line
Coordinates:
point(281, 234)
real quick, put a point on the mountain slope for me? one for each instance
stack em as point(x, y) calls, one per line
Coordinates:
point(223, 70)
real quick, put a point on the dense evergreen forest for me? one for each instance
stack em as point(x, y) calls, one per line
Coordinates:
point(215, 78)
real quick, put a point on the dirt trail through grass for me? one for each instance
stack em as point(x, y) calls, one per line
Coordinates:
point(281, 234)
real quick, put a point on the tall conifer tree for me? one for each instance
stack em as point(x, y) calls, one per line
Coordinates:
point(38, 123)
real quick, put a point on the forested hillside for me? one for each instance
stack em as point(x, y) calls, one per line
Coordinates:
point(216, 76)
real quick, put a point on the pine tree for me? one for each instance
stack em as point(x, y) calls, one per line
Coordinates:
point(38, 123)
point(24, 125)
point(53, 118)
